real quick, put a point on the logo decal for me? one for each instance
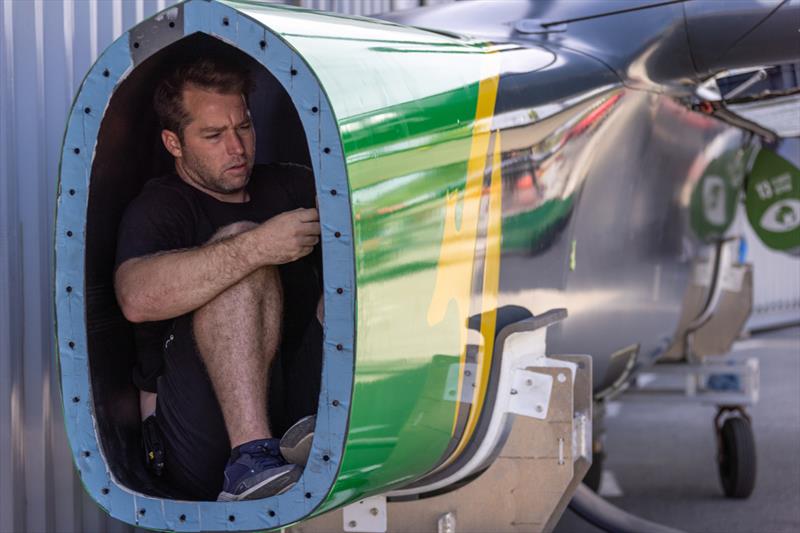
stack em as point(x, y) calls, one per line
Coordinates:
point(773, 201)
point(782, 216)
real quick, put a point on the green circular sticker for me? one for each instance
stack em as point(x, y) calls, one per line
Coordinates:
point(713, 203)
point(773, 201)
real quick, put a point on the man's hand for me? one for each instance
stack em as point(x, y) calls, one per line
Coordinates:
point(289, 236)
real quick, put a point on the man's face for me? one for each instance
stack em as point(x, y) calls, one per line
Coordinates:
point(217, 152)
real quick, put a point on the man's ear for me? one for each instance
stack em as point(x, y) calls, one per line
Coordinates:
point(172, 143)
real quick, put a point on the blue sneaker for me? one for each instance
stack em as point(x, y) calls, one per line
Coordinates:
point(257, 470)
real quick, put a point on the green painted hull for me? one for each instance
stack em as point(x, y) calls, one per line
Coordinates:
point(405, 101)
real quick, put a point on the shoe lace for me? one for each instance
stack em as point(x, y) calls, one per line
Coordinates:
point(264, 458)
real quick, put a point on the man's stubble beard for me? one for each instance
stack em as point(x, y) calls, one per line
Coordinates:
point(200, 173)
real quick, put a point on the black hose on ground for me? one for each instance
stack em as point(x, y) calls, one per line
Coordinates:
point(600, 513)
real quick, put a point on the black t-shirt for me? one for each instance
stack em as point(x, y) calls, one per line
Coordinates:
point(170, 214)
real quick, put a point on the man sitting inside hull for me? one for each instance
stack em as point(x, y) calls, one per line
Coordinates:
point(216, 269)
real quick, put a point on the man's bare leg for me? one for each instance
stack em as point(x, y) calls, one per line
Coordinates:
point(237, 334)
point(147, 403)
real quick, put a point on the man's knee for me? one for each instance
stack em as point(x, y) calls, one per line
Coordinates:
point(265, 280)
point(261, 286)
point(232, 229)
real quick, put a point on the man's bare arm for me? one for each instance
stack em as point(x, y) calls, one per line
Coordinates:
point(169, 284)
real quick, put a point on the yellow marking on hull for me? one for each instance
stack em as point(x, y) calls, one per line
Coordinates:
point(457, 253)
point(491, 282)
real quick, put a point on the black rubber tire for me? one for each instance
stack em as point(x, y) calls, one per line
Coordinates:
point(737, 458)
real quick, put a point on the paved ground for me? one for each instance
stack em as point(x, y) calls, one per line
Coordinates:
point(662, 456)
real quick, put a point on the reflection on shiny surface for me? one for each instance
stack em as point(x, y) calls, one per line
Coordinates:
point(595, 184)
point(602, 178)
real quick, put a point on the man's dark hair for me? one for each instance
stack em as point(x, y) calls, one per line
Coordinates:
point(226, 77)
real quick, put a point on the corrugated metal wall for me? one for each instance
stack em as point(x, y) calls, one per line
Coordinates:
point(45, 49)
point(46, 46)
point(776, 281)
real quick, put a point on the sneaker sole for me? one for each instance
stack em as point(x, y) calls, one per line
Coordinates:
point(296, 442)
point(277, 484)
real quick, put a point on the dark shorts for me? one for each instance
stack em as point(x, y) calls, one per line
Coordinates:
point(189, 416)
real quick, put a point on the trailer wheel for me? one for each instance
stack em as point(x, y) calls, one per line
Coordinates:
point(737, 458)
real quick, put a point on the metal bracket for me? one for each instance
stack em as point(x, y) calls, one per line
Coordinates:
point(367, 515)
point(468, 388)
point(447, 523)
point(732, 278)
point(530, 393)
point(531, 390)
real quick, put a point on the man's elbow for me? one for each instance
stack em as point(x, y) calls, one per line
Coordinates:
point(129, 299)
point(131, 307)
